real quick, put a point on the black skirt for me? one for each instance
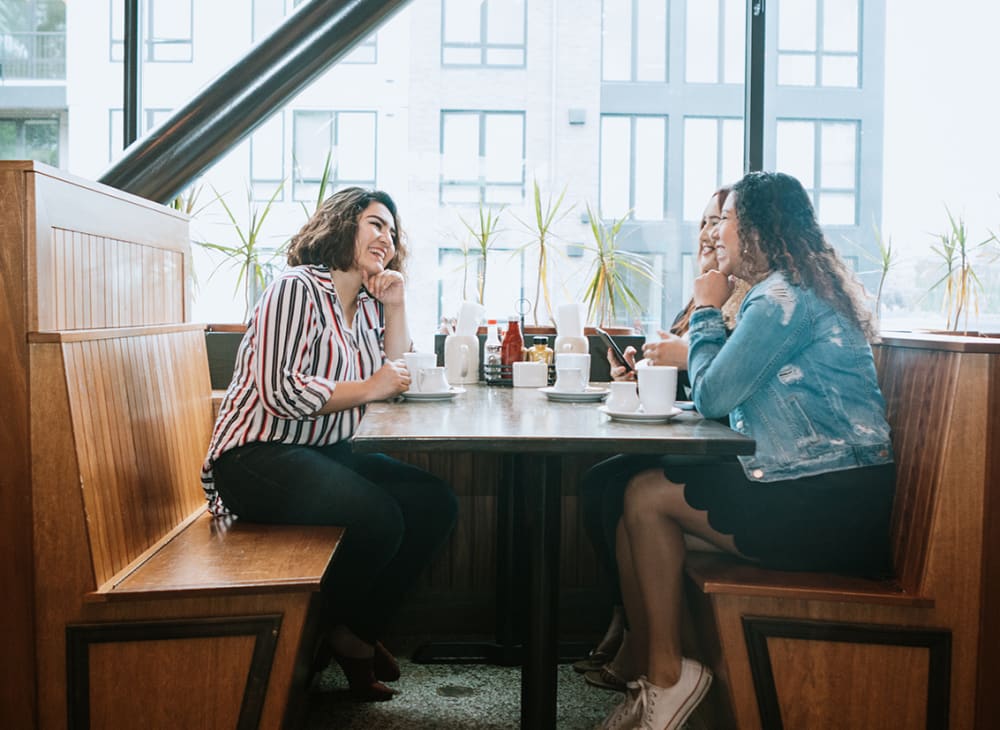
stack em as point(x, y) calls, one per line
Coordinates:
point(837, 521)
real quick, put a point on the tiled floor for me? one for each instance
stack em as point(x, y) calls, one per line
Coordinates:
point(450, 696)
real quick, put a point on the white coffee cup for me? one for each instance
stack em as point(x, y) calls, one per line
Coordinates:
point(657, 388)
point(432, 380)
point(622, 397)
point(414, 362)
point(570, 380)
point(578, 360)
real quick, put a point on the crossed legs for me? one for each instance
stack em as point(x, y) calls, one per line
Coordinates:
point(650, 548)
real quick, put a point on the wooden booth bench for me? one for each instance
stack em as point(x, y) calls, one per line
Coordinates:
point(129, 606)
point(816, 650)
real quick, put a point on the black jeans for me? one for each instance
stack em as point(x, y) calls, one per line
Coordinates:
point(396, 515)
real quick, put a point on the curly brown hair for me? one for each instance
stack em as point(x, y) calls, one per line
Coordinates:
point(327, 238)
point(779, 232)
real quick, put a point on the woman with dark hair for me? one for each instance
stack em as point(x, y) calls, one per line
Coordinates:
point(602, 490)
point(326, 338)
point(798, 376)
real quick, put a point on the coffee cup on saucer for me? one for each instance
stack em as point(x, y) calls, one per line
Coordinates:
point(622, 397)
point(657, 388)
point(432, 380)
point(414, 362)
point(570, 380)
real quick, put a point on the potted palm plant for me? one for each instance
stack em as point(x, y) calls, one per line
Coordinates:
point(484, 234)
point(542, 235)
point(960, 281)
point(607, 291)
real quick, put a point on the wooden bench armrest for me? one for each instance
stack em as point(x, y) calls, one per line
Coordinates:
point(725, 574)
point(216, 556)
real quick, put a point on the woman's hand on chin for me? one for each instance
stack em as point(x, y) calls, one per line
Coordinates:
point(712, 289)
point(387, 286)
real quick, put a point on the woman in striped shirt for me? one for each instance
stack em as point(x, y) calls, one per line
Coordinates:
point(326, 338)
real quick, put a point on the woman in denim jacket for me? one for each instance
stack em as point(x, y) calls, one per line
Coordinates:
point(796, 375)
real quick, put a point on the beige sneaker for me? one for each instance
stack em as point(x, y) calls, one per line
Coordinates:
point(626, 713)
point(666, 708)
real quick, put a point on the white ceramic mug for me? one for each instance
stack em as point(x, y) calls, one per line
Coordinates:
point(622, 397)
point(578, 360)
point(432, 380)
point(416, 360)
point(570, 380)
point(657, 388)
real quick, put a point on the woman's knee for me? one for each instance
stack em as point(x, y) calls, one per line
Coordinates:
point(650, 495)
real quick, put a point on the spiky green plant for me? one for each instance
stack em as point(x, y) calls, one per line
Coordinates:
point(546, 217)
point(961, 283)
point(255, 265)
point(484, 234)
point(607, 285)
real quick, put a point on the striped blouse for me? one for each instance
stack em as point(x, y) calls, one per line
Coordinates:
point(296, 349)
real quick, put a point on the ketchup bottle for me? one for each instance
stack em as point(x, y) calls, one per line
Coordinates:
point(512, 348)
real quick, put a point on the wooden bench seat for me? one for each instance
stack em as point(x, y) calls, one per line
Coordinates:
point(140, 587)
point(816, 650)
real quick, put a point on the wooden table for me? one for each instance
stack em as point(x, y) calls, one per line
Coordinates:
point(537, 433)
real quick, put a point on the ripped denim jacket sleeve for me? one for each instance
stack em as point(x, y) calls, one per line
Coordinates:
point(724, 373)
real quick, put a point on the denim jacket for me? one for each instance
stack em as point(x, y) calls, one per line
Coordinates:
point(796, 377)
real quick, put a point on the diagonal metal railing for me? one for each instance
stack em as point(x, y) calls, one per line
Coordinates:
point(190, 140)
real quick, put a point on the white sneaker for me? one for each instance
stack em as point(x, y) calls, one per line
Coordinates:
point(666, 708)
point(626, 713)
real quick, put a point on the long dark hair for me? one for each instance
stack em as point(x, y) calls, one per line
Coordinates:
point(683, 321)
point(327, 239)
point(779, 232)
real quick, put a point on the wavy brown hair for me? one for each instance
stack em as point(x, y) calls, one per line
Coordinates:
point(327, 239)
point(779, 232)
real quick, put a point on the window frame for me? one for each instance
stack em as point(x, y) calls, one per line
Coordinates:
point(482, 183)
point(633, 118)
point(334, 182)
point(484, 45)
point(150, 41)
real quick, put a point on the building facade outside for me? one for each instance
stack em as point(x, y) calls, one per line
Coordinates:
point(634, 108)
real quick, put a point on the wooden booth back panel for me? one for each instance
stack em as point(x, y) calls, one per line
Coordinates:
point(141, 440)
point(99, 258)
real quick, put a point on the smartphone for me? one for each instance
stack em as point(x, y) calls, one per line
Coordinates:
point(615, 350)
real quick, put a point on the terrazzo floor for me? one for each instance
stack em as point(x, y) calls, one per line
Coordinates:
point(452, 696)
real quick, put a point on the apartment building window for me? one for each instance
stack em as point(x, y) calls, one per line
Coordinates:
point(269, 14)
point(715, 42)
point(459, 273)
point(713, 156)
point(823, 155)
point(30, 138)
point(482, 157)
point(267, 159)
point(633, 166)
point(819, 42)
point(349, 137)
point(167, 30)
point(485, 33)
point(635, 36)
point(116, 128)
point(33, 39)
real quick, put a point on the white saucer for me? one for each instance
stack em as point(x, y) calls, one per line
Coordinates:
point(443, 395)
point(591, 395)
point(639, 416)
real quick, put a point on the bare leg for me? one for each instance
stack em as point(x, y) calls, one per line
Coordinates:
point(651, 563)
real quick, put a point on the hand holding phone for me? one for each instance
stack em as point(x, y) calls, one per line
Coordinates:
point(616, 351)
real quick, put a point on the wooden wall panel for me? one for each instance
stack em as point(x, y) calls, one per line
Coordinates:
point(17, 685)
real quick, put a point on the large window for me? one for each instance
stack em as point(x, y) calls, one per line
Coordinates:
point(269, 14)
point(635, 40)
point(32, 39)
point(485, 33)
point(482, 157)
point(715, 41)
point(348, 137)
point(819, 43)
point(30, 139)
point(116, 128)
point(167, 32)
point(713, 156)
point(633, 166)
point(823, 156)
point(267, 160)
